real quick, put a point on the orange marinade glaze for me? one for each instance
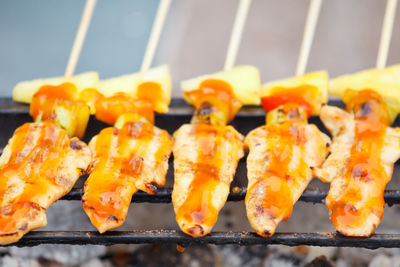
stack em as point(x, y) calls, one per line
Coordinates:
point(365, 168)
point(198, 207)
point(37, 171)
point(48, 96)
point(108, 109)
point(278, 179)
point(216, 93)
point(118, 163)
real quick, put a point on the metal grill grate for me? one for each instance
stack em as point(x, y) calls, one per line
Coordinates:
point(164, 196)
point(13, 115)
point(216, 238)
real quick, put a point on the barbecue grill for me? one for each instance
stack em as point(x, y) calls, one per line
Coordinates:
point(12, 115)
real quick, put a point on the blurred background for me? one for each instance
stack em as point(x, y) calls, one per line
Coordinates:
point(36, 37)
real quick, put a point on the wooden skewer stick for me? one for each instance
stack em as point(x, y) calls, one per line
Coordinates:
point(236, 34)
point(386, 35)
point(308, 35)
point(158, 24)
point(80, 37)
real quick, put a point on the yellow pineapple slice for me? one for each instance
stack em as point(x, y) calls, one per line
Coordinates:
point(245, 81)
point(24, 91)
point(389, 75)
point(386, 82)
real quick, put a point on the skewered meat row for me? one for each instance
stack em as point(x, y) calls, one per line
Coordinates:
point(40, 168)
point(283, 155)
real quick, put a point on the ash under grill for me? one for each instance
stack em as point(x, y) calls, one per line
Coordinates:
point(12, 115)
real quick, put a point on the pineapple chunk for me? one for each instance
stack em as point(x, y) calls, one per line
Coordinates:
point(245, 81)
point(388, 76)
point(316, 82)
point(129, 84)
point(386, 82)
point(24, 91)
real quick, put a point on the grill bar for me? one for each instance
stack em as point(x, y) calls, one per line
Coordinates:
point(164, 196)
point(216, 238)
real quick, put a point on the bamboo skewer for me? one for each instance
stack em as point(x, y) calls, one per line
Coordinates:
point(236, 34)
point(386, 34)
point(308, 35)
point(80, 37)
point(158, 24)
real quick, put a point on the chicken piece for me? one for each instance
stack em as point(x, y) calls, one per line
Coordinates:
point(360, 165)
point(279, 165)
point(205, 161)
point(125, 160)
point(39, 165)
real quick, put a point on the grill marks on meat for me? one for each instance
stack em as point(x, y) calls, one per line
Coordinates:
point(359, 167)
point(279, 165)
point(39, 165)
point(125, 161)
point(205, 161)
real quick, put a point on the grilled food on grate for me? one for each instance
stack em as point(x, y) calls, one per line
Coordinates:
point(284, 152)
point(280, 167)
point(126, 160)
point(206, 152)
point(360, 165)
point(205, 161)
point(39, 165)
point(133, 155)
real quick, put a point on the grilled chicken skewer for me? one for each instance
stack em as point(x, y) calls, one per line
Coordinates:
point(284, 152)
point(133, 155)
point(360, 165)
point(205, 161)
point(282, 156)
point(206, 152)
point(126, 160)
point(39, 165)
